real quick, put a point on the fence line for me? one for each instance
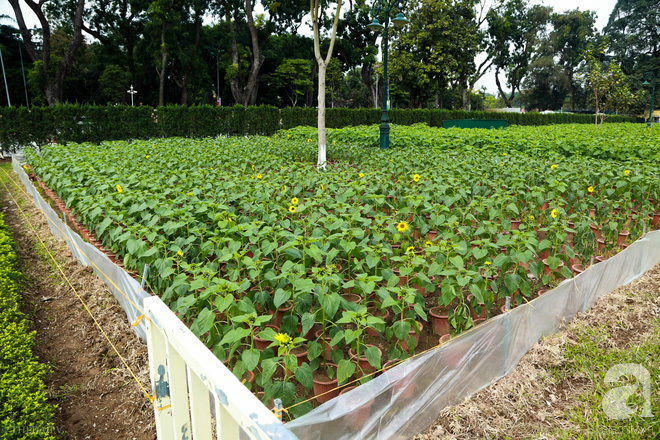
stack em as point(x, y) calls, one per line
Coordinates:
point(184, 371)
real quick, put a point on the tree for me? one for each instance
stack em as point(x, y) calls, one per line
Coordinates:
point(634, 32)
point(114, 83)
point(315, 9)
point(53, 85)
point(609, 89)
point(293, 75)
point(438, 50)
point(514, 29)
point(572, 33)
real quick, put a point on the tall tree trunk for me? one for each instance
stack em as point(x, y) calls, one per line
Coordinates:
point(368, 80)
point(507, 100)
point(163, 66)
point(323, 65)
point(321, 116)
point(54, 85)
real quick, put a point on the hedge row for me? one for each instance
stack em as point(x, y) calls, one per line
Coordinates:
point(74, 123)
point(24, 412)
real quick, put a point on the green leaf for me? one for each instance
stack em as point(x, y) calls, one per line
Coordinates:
point(512, 282)
point(251, 358)
point(304, 375)
point(401, 329)
point(203, 322)
point(345, 370)
point(281, 297)
point(373, 356)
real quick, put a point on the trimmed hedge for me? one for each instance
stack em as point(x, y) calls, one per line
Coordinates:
point(75, 123)
point(24, 412)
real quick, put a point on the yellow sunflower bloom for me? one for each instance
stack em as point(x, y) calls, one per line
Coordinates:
point(292, 209)
point(180, 254)
point(402, 227)
point(283, 338)
point(553, 166)
point(361, 175)
point(416, 177)
point(259, 176)
point(294, 201)
point(119, 189)
point(590, 189)
point(410, 249)
point(553, 213)
point(626, 172)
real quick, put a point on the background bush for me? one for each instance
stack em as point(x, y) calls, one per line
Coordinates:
point(75, 123)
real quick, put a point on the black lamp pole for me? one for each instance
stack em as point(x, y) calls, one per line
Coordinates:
point(382, 9)
point(650, 76)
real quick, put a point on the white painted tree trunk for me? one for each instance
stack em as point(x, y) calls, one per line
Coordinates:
point(321, 117)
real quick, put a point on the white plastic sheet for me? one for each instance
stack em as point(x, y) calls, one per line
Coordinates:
point(120, 283)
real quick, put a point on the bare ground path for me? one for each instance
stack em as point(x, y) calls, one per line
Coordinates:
point(96, 396)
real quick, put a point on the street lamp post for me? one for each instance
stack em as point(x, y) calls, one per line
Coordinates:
point(650, 76)
point(132, 92)
point(382, 9)
point(20, 51)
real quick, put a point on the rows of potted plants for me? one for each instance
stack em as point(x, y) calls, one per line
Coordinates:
point(287, 273)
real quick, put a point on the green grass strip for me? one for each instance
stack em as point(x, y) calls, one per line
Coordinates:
point(24, 412)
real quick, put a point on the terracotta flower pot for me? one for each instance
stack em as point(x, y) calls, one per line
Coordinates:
point(444, 339)
point(415, 335)
point(324, 388)
point(277, 319)
point(577, 269)
point(325, 344)
point(262, 344)
point(623, 236)
point(546, 268)
point(363, 363)
point(379, 314)
point(440, 320)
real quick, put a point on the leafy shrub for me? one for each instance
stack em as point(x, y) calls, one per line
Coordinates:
point(75, 123)
point(24, 412)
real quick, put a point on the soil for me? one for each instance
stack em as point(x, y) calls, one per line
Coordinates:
point(96, 396)
point(531, 402)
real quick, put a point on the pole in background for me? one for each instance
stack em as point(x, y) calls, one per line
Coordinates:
point(650, 76)
point(4, 75)
point(381, 9)
point(20, 51)
point(132, 92)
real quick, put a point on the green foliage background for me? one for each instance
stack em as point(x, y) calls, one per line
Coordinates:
point(76, 123)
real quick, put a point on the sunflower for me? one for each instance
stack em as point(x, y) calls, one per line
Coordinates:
point(292, 209)
point(553, 166)
point(180, 254)
point(119, 189)
point(294, 201)
point(402, 227)
point(626, 172)
point(361, 175)
point(553, 213)
point(416, 177)
point(259, 176)
point(283, 338)
point(590, 189)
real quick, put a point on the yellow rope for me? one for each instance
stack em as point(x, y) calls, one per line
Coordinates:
point(79, 250)
point(66, 279)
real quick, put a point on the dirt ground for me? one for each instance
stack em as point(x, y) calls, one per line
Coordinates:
point(96, 396)
point(531, 402)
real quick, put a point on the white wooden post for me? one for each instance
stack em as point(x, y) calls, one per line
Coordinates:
point(184, 371)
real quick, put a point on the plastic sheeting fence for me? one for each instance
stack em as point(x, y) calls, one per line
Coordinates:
point(123, 287)
point(407, 398)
